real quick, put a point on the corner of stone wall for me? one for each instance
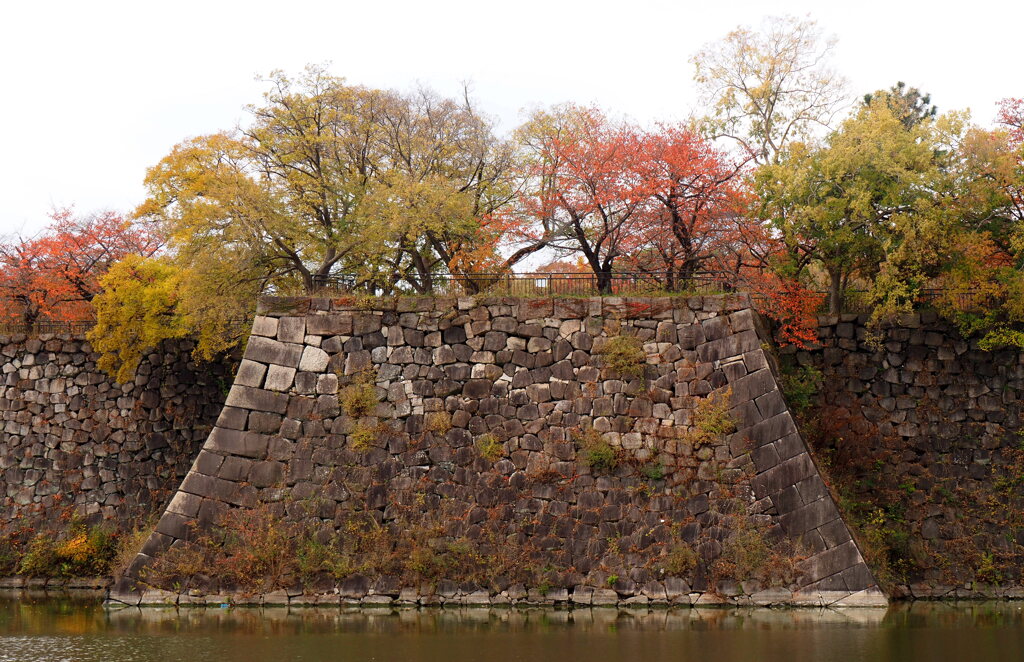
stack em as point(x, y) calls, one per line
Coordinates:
point(724, 332)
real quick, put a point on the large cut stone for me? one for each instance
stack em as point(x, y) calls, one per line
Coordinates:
point(257, 399)
point(265, 350)
point(314, 359)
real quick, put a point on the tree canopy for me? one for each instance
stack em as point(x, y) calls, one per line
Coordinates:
point(784, 185)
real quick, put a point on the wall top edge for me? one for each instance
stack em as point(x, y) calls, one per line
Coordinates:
point(631, 307)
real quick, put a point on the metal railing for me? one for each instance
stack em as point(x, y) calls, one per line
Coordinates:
point(860, 302)
point(44, 327)
point(535, 283)
point(78, 329)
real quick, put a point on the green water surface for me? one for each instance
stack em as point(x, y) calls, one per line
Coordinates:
point(33, 629)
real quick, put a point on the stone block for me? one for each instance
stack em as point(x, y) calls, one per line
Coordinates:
point(291, 329)
point(246, 444)
point(265, 350)
point(256, 399)
point(785, 474)
point(330, 324)
point(232, 418)
point(834, 533)
point(279, 378)
point(207, 463)
point(313, 359)
point(264, 422)
point(830, 562)
point(771, 403)
point(234, 468)
point(771, 430)
point(250, 373)
point(185, 504)
point(812, 489)
point(266, 474)
point(729, 346)
point(174, 525)
point(264, 326)
point(765, 457)
point(809, 517)
point(752, 386)
point(716, 328)
point(790, 446)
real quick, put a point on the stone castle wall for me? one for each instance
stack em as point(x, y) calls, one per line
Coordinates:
point(73, 440)
point(921, 431)
point(480, 437)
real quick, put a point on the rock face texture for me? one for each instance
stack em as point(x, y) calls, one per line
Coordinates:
point(921, 430)
point(588, 450)
point(73, 439)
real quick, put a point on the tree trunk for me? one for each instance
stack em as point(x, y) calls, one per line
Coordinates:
point(835, 292)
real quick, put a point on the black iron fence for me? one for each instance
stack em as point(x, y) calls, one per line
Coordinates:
point(79, 328)
point(535, 283)
point(47, 327)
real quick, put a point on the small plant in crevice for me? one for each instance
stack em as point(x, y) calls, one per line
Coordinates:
point(360, 397)
point(364, 436)
point(800, 384)
point(489, 447)
point(438, 423)
point(625, 355)
point(680, 560)
point(653, 470)
point(987, 570)
point(749, 554)
point(711, 419)
point(594, 451)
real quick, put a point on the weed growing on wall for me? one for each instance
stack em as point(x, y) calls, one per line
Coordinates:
point(680, 560)
point(624, 355)
point(83, 551)
point(748, 554)
point(800, 384)
point(365, 436)
point(489, 447)
point(653, 470)
point(258, 551)
point(594, 451)
point(360, 397)
point(438, 423)
point(711, 419)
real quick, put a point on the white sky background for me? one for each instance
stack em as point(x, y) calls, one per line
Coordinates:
point(96, 92)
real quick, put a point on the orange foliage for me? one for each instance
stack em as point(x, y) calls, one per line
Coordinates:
point(54, 276)
point(788, 302)
point(695, 206)
point(1011, 114)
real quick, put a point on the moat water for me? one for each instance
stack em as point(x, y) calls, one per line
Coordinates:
point(36, 629)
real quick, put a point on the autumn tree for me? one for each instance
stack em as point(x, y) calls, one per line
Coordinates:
point(765, 89)
point(138, 310)
point(441, 177)
point(327, 178)
point(908, 104)
point(696, 204)
point(873, 185)
point(979, 277)
point(1011, 115)
point(588, 190)
point(55, 275)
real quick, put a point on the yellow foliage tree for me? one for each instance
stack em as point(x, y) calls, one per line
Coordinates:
point(137, 310)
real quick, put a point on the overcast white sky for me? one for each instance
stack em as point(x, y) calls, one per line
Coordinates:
point(96, 92)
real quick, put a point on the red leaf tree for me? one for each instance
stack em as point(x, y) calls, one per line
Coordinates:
point(590, 191)
point(694, 210)
point(54, 276)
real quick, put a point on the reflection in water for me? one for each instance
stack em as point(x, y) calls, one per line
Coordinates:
point(50, 629)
